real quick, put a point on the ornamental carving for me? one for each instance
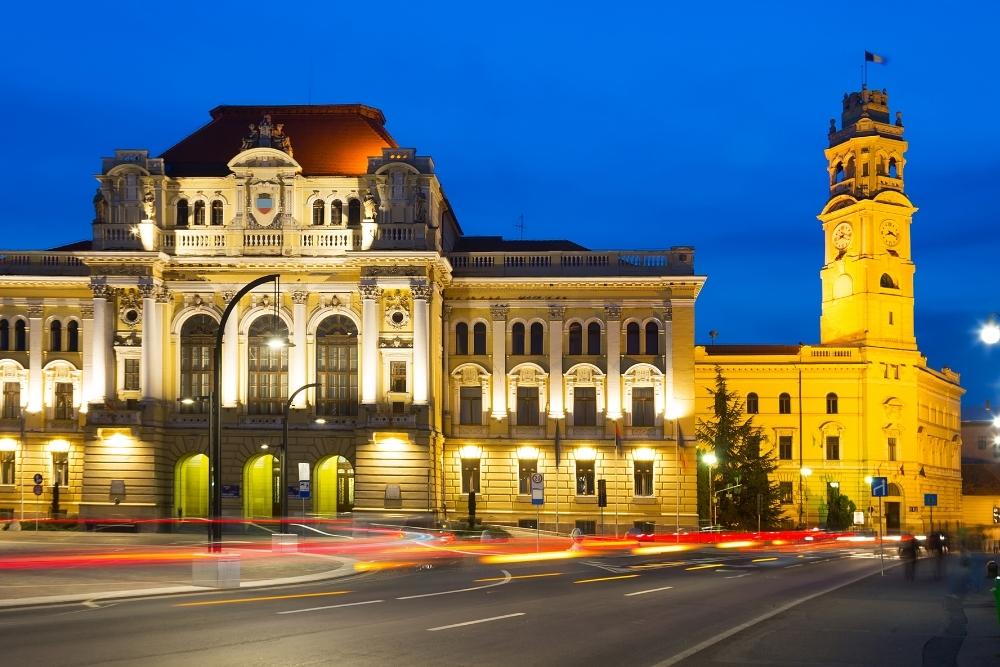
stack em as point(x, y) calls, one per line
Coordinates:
point(87, 311)
point(334, 301)
point(129, 308)
point(267, 135)
point(556, 312)
point(163, 295)
point(585, 375)
point(498, 311)
point(395, 342)
point(131, 339)
point(100, 288)
point(397, 309)
point(227, 296)
point(420, 291)
point(470, 375)
point(668, 311)
point(34, 310)
point(614, 311)
point(146, 288)
point(300, 296)
point(370, 291)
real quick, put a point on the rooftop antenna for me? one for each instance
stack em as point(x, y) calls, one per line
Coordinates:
point(519, 225)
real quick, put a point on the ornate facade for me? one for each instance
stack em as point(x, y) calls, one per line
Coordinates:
point(446, 363)
point(863, 402)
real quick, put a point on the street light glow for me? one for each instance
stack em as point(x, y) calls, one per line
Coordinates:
point(868, 479)
point(989, 333)
point(805, 472)
point(709, 458)
point(996, 421)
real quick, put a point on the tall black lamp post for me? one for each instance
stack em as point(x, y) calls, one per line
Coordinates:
point(215, 420)
point(283, 461)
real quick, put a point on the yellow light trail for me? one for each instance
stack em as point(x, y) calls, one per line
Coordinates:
point(652, 566)
point(260, 599)
point(590, 581)
point(523, 576)
point(702, 567)
point(763, 560)
point(664, 549)
point(531, 557)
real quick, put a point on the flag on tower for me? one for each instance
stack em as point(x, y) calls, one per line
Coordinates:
point(875, 58)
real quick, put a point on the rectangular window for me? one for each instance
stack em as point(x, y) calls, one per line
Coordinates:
point(527, 523)
point(60, 468)
point(470, 475)
point(753, 443)
point(397, 376)
point(785, 447)
point(8, 468)
point(642, 406)
point(585, 406)
point(470, 406)
point(892, 449)
point(584, 478)
point(644, 478)
point(11, 400)
point(131, 375)
point(527, 406)
point(525, 469)
point(587, 527)
point(64, 400)
point(833, 448)
point(785, 492)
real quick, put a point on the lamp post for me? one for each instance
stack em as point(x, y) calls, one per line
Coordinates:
point(711, 460)
point(804, 473)
point(283, 461)
point(674, 414)
point(215, 420)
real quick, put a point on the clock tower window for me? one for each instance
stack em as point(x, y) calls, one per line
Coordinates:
point(887, 282)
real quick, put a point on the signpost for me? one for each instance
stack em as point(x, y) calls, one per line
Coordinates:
point(930, 500)
point(880, 489)
point(537, 499)
point(304, 485)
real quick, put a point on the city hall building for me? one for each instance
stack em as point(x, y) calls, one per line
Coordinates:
point(443, 363)
point(862, 403)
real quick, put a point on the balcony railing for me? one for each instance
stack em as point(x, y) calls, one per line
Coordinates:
point(676, 261)
point(41, 263)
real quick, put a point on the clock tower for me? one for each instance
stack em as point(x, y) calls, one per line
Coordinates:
point(867, 274)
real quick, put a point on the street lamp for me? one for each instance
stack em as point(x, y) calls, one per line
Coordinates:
point(711, 460)
point(282, 462)
point(989, 333)
point(215, 419)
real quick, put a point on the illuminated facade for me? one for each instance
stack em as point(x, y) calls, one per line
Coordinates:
point(445, 361)
point(862, 402)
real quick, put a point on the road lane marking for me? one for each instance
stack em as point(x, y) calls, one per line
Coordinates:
point(522, 576)
point(506, 579)
point(260, 599)
point(764, 560)
point(651, 590)
point(672, 563)
point(796, 565)
point(481, 620)
point(590, 581)
point(332, 606)
point(702, 567)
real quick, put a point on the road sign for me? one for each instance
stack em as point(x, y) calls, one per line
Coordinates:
point(38, 478)
point(537, 488)
point(303, 488)
point(930, 500)
point(37, 489)
point(880, 486)
point(859, 518)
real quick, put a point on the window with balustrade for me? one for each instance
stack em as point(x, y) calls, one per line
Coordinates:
point(337, 366)
point(319, 212)
point(216, 213)
point(199, 213)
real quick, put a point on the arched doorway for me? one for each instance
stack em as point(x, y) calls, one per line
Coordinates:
point(893, 521)
point(191, 486)
point(334, 481)
point(260, 482)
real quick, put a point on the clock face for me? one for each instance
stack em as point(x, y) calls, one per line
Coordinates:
point(842, 235)
point(890, 233)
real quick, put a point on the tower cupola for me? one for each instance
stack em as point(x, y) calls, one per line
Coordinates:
point(865, 155)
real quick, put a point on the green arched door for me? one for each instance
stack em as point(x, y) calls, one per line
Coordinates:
point(334, 484)
point(259, 479)
point(191, 486)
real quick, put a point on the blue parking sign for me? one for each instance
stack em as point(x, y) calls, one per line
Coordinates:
point(930, 500)
point(880, 486)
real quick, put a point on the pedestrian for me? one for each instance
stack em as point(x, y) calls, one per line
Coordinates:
point(908, 553)
point(935, 547)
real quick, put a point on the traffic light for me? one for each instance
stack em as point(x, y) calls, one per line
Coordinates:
point(996, 515)
point(602, 495)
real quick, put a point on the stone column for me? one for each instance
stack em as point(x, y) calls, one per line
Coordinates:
point(297, 355)
point(148, 350)
point(556, 409)
point(370, 294)
point(85, 333)
point(162, 351)
point(35, 353)
point(670, 407)
point(614, 334)
point(421, 294)
point(99, 344)
point(230, 389)
point(446, 361)
point(499, 315)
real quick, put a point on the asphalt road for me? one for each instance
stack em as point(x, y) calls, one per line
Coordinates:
point(614, 610)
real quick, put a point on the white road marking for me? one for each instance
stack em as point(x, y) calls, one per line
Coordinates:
point(796, 565)
point(651, 590)
point(332, 606)
point(737, 576)
point(481, 620)
point(506, 579)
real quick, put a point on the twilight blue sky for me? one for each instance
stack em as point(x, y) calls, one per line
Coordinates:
point(619, 125)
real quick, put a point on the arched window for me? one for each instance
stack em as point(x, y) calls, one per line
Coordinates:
point(831, 403)
point(336, 213)
point(217, 213)
point(652, 338)
point(337, 366)
point(893, 169)
point(55, 336)
point(537, 336)
point(20, 336)
point(753, 404)
point(199, 213)
point(4, 335)
point(319, 212)
point(461, 338)
point(73, 336)
point(575, 338)
point(887, 282)
point(838, 173)
point(849, 169)
point(354, 213)
point(632, 338)
point(784, 404)
point(197, 345)
point(479, 338)
point(593, 338)
point(267, 388)
point(517, 339)
point(182, 213)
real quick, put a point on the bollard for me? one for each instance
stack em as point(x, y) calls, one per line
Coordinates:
point(991, 570)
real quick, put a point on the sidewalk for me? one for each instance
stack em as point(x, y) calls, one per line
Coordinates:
point(50, 567)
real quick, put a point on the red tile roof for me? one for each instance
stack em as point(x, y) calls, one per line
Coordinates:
point(327, 139)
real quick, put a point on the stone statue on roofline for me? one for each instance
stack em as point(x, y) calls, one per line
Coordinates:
point(371, 206)
point(250, 141)
point(149, 205)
